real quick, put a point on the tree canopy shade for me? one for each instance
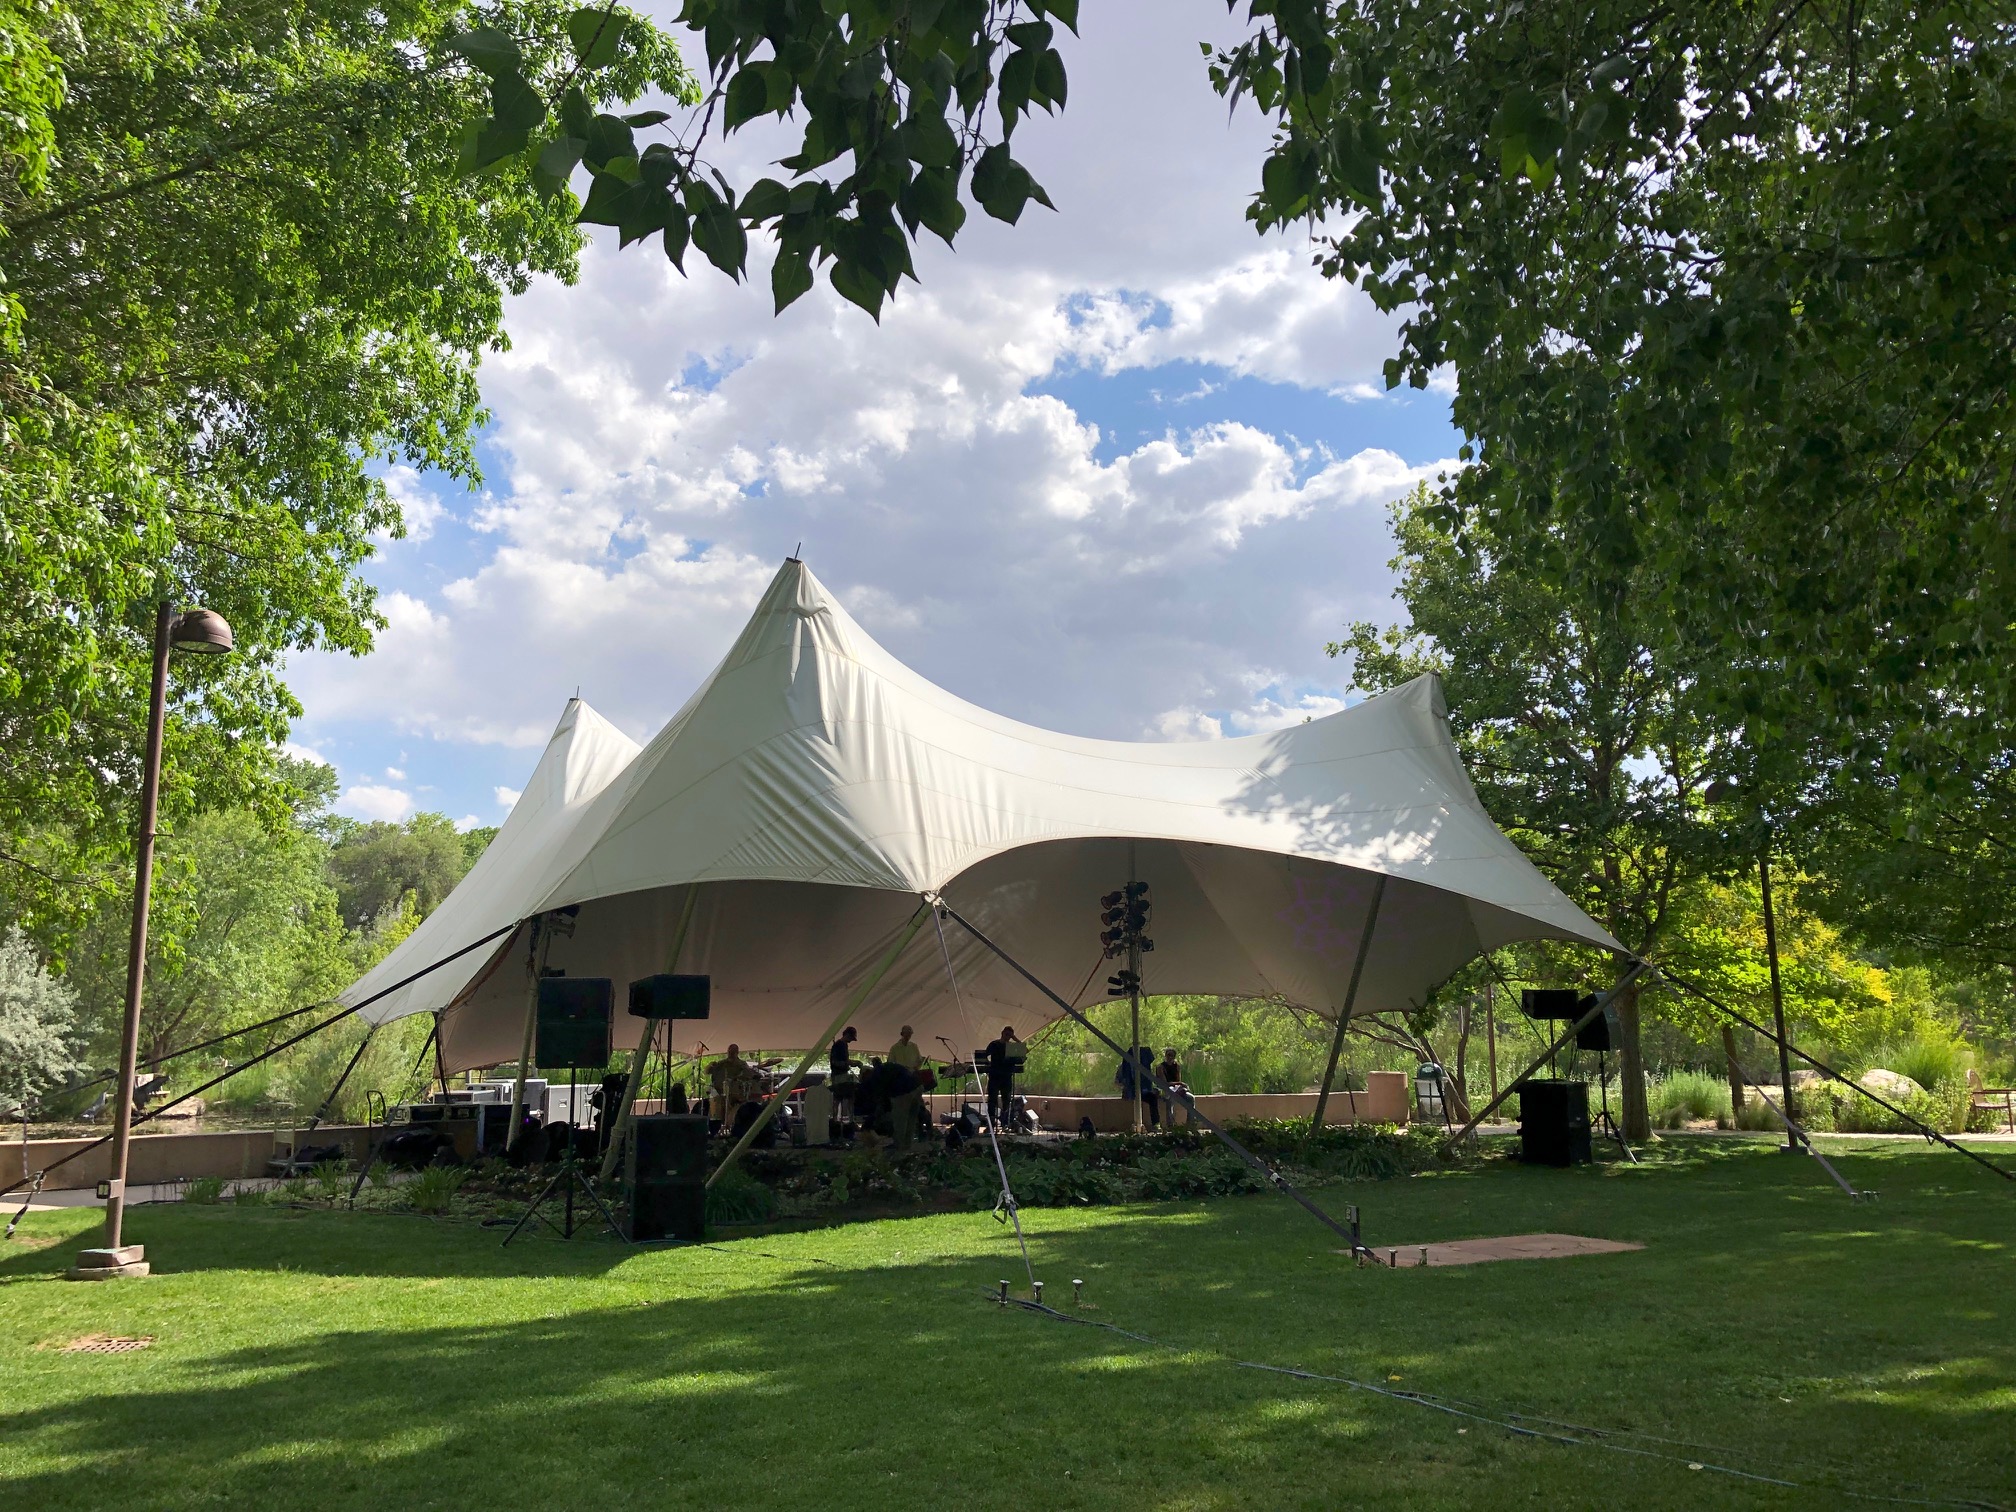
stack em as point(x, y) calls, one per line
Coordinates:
point(1725, 289)
point(241, 273)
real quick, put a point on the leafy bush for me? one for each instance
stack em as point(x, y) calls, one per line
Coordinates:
point(434, 1189)
point(1830, 1107)
point(204, 1189)
point(1929, 1057)
point(738, 1197)
point(1681, 1095)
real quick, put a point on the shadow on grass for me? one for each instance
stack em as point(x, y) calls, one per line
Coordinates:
point(336, 1361)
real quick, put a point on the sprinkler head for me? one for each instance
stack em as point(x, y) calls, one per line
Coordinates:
point(1004, 1294)
point(1077, 1292)
point(1036, 1292)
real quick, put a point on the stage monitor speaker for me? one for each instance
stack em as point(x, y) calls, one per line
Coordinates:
point(1554, 1123)
point(573, 1023)
point(1551, 1003)
point(666, 1147)
point(1599, 1033)
point(671, 995)
point(668, 1210)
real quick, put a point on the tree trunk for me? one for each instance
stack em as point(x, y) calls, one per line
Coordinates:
point(1735, 1071)
point(1631, 1067)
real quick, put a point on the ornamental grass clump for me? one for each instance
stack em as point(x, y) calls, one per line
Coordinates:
point(1681, 1096)
point(434, 1189)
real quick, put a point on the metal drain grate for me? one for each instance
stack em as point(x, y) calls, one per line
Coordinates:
point(107, 1344)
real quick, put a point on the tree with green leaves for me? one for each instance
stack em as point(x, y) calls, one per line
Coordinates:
point(893, 97)
point(1579, 726)
point(242, 272)
point(1726, 289)
point(247, 928)
point(39, 1033)
point(374, 865)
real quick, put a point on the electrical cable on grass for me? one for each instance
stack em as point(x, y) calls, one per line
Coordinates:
point(1573, 1435)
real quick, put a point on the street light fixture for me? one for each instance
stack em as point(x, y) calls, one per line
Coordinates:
point(207, 632)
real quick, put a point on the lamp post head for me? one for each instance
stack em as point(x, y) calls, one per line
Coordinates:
point(203, 630)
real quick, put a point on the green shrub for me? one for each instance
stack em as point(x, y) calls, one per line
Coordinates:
point(331, 1180)
point(738, 1197)
point(1757, 1117)
point(1929, 1057)
point(1684, 1094)
point(204, 1189)
point(434, 1189)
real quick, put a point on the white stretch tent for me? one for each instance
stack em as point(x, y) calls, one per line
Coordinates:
point(815, 789)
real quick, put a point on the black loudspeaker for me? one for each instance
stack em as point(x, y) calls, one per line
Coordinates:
point(666, 1147)
point(1598, 1033)
point(670, 1210)
point(573, 1026)
point(665, 1176)
point(1550, 1003)
point(670, 995)
point(1554, 1123)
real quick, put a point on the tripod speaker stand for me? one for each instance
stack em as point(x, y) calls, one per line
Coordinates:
point(573, 1030)
point(1595, 1035)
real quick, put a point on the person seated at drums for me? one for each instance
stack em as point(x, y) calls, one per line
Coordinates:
point(731, 1076)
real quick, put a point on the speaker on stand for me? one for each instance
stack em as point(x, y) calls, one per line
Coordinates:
point(571, 1029)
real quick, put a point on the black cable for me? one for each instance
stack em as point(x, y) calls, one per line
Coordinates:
point(291, 1013)
point(148, 1117)
point(1931, 1134)
point(1513, 1422)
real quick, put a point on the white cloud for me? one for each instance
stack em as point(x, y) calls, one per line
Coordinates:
point(419, 505)
point(395, 774)
point(370, 802)
point(664, 443)
point(297, 752)
point(467, 823)
point(507, 798)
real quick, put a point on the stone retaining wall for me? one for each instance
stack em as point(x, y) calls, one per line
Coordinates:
point(173, 1157)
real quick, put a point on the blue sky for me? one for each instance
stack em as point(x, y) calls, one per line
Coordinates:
point(1119, 470)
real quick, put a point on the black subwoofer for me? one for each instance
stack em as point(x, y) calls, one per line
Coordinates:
point(665, 1176)
point(1554, 1122)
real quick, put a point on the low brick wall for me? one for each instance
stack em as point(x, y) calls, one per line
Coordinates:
point(1384, 1100)
point(173, 1157)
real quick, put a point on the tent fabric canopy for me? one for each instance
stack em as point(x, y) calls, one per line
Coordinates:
point(814, 789)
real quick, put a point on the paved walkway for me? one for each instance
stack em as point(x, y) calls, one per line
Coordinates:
point(137, 1195)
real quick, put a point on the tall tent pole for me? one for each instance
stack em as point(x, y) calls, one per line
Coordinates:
point(1134, 997)
point(1777, 998)
point(1350, 1000)
point(535, 967)
point(847, 1010)
point(643, 1052)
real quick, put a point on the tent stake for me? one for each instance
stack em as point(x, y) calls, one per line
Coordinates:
point(854, 1001)
point(1344, 1014)
point(1603, 1001)
point(643, 1050)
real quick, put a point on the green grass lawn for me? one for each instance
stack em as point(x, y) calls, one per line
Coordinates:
point(330, 1361)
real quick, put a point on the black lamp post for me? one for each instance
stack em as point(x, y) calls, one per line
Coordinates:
point(200, 630)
